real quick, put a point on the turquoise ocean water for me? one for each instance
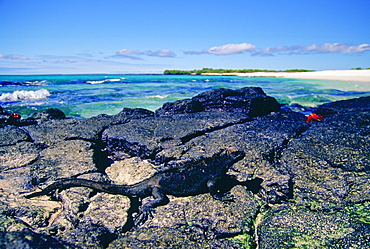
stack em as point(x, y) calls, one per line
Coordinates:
point(89, 95)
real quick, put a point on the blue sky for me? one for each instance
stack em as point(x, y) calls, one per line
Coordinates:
point(145, 36)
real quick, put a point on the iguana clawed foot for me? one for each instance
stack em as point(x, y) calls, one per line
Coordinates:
point(143, 215)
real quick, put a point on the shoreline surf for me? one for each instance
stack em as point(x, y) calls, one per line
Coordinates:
point(90, 95)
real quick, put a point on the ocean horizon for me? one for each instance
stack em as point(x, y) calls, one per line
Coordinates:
point(86, 95)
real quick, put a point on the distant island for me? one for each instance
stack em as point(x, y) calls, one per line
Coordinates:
point(354, 74)
point(221, 71)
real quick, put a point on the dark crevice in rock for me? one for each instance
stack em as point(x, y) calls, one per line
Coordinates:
point(253, 185)
point(225, 235)
point(80, 138)
point(186, 139)
point(134, 208)
point(83, 207)
point(106, 240)
point(290, 194)
point(29, 138)
point(274, 155)
point(133, 149)
point(100, 156)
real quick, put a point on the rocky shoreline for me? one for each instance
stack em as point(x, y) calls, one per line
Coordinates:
point(299, 185)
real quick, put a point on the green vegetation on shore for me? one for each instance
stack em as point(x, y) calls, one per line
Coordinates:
point(211, 70)
point(360, 68)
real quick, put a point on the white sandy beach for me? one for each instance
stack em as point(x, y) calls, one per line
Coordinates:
point(346, 75)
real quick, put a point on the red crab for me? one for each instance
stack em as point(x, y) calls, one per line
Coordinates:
point(14, 115)
point(313, 117)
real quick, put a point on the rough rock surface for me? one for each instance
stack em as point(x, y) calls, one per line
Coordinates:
point(300, 185)
point(250, 100)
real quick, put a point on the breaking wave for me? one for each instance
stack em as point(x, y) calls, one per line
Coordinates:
point(93, 82)
point(157, 97)
point(25, 95)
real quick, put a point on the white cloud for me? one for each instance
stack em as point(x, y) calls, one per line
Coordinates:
point(135, 54)
point(341, 48)
point(232, 49)
point(161, 53)
point(126, 51)
point(13, 57)
point(227, 49)
point(269, 51)
point(338, 48)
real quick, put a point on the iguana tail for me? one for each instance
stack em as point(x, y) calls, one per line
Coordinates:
point(62, 184)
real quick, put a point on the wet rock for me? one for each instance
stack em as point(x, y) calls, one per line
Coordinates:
point(330, 161)
point(10, 159)
point(49, 114)
point(10, 135)
point(345, 106)
point(55, 130)
point(22, 222)
point(63, 160)
point(28, 239)
point(299, 184)
point(215, 220)
point(250, 100)
point(19, 213)
point(180, 107)
point(14, 166)
point(91, 128)
point(88, 235)
point(17, 180)
point(156, 237)
point(146, 137)
point(303, 228)
point(51, 132)
point(109, 211)
point(325, 163)
point(135, 113)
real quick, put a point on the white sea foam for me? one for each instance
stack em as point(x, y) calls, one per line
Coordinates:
point(93, 82)
point(37, 82)
point(25, 95)
point(157, 97)
point(115, 80)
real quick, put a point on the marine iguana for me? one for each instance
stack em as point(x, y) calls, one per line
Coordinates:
point(185, 179)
